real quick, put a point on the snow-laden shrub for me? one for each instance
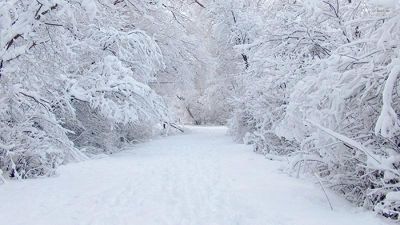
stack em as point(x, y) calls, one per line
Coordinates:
point(322, 87)
point(32, 142)
point(72, 74)
point(277, 59)
point(111, 106)
point(353, 96)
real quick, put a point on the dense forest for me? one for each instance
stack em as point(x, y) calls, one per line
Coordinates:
point(311, 82)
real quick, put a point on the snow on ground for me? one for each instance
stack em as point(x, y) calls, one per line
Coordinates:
point(200, 178)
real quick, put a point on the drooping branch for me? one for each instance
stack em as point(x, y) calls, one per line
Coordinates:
point(199, 3)
point(10, 42)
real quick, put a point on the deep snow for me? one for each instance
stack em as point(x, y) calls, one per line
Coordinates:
point(200, 178)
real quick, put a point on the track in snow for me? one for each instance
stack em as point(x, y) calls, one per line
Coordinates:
point(200, 178)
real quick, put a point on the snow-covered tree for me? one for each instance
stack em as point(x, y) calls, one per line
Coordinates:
point(320, 86)
point(63, 62)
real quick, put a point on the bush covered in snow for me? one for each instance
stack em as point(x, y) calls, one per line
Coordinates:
point(74, 75)
point(319, 83)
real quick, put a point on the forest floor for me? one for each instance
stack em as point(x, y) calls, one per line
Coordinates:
point(199, 178)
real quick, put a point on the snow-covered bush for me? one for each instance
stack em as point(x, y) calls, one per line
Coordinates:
point(321, 86)
point(33, 142)
point(351, 95)
point(74, 74)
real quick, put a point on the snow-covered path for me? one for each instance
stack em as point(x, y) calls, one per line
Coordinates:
point(200, 178)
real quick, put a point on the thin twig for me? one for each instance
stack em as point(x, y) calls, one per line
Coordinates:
point(323, 189)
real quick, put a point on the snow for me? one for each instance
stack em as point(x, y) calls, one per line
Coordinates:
point(200, 178)
point(388, 124)
point(385, 3)
point(90, 7)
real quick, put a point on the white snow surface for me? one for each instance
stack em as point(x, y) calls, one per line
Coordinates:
point(200, 178)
